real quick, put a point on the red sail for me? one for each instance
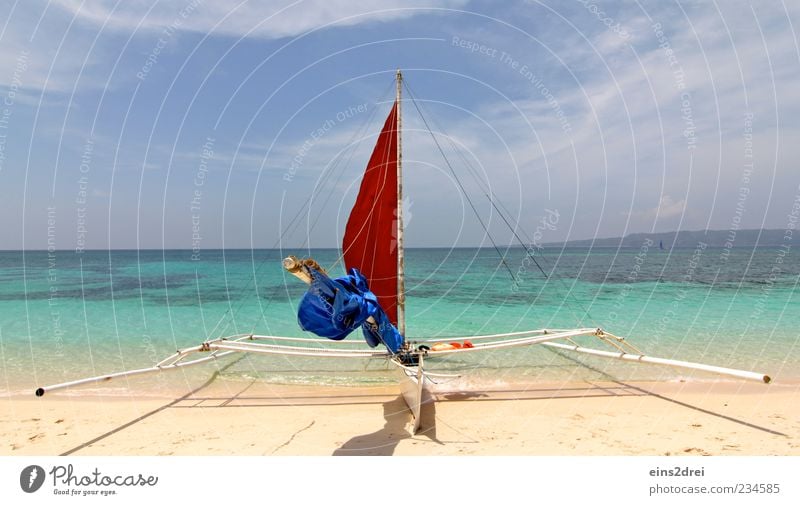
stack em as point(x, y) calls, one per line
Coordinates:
point(370, 238)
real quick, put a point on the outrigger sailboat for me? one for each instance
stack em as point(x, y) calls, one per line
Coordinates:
point(372, 296)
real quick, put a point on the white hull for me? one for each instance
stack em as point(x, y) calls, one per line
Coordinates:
point(411, 386)
point(414, 388)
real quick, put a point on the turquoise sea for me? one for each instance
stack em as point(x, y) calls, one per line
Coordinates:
point(65, 315)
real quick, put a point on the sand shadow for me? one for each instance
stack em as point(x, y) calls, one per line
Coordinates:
point(707, 411)
point(460, 396)
point(653, 394)
point(141, 418)
point(383, 442)
point(173, 403)
point(427, 414)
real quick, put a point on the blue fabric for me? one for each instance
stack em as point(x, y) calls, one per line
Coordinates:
point(333, 308)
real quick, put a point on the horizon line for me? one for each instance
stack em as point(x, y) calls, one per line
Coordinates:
point(563, 243)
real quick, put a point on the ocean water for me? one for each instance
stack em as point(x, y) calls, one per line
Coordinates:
point(64, 315)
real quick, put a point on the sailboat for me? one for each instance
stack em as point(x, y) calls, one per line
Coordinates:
point(371, 296)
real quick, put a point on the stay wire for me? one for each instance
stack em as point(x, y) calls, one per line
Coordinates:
point(494, 201)
point(578, 312)
point(352, 148)
point(581, 311)
point(353, 145)
point(340, 258)
point(290, 229)
point(460, 185)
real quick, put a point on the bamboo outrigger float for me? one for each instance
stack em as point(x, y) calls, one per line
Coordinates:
point(375, 300)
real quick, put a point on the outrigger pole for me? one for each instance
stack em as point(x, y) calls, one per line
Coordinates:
point(222, 347)
point(641, 358)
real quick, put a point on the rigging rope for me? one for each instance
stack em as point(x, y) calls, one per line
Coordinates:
point(338, 166)
point(487, 192)
point(294, 224)
point(472, 205)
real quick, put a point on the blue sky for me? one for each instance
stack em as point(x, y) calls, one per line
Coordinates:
point(141, 124)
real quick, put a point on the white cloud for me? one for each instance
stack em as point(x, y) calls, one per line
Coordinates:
point(68, 38)
point(667, 208)
point(52, 52)
point(627, 154)
point(268, 19)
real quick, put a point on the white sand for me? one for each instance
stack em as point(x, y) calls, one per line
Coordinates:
point(252, 418)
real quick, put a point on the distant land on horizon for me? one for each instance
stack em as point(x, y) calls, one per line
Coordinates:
point(683, 238)
point(686, 238)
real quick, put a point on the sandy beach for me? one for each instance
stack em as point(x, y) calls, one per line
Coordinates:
point(223, 417)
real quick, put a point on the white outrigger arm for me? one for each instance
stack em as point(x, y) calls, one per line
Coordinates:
point(343, 349)
point(622, 350)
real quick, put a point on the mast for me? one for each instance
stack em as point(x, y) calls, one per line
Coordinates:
point(401, 295)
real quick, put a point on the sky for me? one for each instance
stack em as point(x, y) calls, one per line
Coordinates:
point(192, 123)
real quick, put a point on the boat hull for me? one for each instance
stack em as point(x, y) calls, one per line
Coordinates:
point(414, 386)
